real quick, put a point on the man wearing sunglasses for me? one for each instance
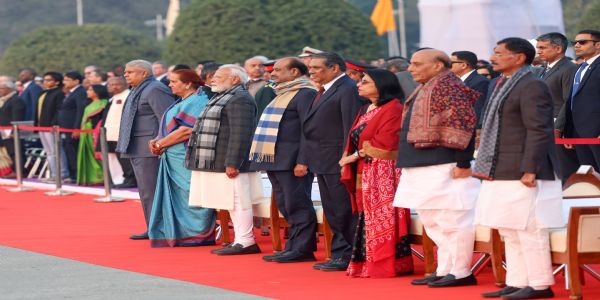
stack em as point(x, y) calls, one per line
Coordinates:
point(582, 110)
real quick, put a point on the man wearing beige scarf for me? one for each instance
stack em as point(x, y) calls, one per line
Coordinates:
point(276, 149)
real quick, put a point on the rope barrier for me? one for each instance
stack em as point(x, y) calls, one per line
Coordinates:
point(577, 141)
point(46, 129)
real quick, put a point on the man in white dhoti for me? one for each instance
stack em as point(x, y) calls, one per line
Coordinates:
point(435, 153)
point(520, 194)
point(218, 152)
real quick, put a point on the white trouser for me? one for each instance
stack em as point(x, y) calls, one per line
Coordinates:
point(528, 256)
point(454, 234)
point(47, 139)
point(242, 220)
point(116, 171)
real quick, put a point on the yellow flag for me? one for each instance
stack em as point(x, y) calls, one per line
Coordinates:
point(383, 17)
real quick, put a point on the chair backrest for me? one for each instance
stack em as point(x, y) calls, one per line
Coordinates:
point(585, 183)
point(582, 230)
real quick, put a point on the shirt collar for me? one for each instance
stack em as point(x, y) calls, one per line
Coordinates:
point(591, 60)
point(329, 84)
point(74, 88)
point(465, 76)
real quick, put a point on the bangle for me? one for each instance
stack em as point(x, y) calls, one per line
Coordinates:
point(157, 145)
point(356, 154)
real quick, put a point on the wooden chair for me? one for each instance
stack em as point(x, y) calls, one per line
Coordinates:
point(578, 245)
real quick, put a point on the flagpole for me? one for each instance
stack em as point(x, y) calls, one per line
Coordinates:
point(402, 27)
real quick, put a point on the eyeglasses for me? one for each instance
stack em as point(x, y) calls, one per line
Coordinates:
point(458, 62)
point(583, 42)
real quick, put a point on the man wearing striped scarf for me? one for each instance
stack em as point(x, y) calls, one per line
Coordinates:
point(276, 149)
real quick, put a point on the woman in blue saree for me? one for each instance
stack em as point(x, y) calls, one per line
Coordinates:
point(172, 221)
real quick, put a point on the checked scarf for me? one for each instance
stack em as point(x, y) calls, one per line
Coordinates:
point(129, 111)
point(203, 141)
point(486, 154)
point(265, 136)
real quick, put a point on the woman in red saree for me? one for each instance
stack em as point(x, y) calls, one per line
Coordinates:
point(381, 247)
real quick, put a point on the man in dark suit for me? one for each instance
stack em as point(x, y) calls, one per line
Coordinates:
point(143, 110)
point(558, 75)
point(159, 71)
point(46, 115)
point(520, 195)
point(583, 108)
point(292, 193)
point(69, 116)
point(12, 108)
point(325, 130)
point(464, 64)
point(30, 93)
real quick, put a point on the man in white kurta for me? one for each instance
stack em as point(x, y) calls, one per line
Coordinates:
point(435, 154)
point(520, 195)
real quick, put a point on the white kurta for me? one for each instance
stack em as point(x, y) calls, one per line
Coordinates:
point(113, 117)
point(432, 187)
point(507, 203)
point(216, 190)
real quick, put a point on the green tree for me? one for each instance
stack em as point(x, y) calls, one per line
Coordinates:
point(591, 18)
point(232, 30)
point(68, 47)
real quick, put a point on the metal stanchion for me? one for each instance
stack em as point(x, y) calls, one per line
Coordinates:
point(106, 171)
point(18, 162)
point(58, 172)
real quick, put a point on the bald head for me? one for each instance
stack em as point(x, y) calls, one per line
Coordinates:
point(426, 64)
point(287, 69)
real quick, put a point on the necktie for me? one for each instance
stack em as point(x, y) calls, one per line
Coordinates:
point(577, 81)
point(318, 97)
point(546, 69)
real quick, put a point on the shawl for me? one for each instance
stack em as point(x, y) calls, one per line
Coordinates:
point(203, 140)
point(492, 117)
point(129, 111)
point(442, 114)
point(265, 135)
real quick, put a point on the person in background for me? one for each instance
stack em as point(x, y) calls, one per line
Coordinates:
point(160, 72)
point(208, 71)
point(98, 77)
point(381, 246)
point(463, 65)
point(31, 92)
point(12, 108)
point(356, 69)
point(172, 221)
point(255, 68)
point(89, 166)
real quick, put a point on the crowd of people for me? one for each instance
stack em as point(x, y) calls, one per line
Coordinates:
point(381, 140)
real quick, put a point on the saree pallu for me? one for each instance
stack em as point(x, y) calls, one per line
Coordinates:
point(89, 167)
point(172, 221)
point(381, 247)
point(5, 162)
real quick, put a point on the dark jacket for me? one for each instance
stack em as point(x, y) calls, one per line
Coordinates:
point(559, 80)
point(480, 84)
point(583, 120)
point(326, 127)
point(287, 148)
point(526, 132)
point(12, 110)
point(30, 97)
point(52, 103)
point(154, 101)
point(71, 110)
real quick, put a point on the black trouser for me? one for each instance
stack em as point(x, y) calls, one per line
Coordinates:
point(146, 174)
point(71, 147)
point(589, 155)
point(293, 196)
point(338, 211)
point(568, 162)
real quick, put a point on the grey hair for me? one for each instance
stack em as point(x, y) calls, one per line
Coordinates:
point(237, 71)
point(261, 58)
point(140, 64)
point(9, 84)
point(555, 38)
point(399, 63)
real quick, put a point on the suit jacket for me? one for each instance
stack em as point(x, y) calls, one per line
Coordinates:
point(12, 110)
point(526, 132)
point(30, 97)
point(583, 120)
point(71, 110)
point(155, 99)
point(407, 83)
point(560, 79)
point(326, 126)
point(480, 84)
point(165, 80)
point(52, 103)
point(289, 136)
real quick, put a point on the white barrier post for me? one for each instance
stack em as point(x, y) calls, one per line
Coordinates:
point(106, 171)
point(58, 172)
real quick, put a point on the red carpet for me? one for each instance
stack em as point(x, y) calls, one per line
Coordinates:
point(75, 227)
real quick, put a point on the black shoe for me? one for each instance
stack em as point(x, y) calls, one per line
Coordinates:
point(126, 185)
point(142, 236)
point(238, 249)
point(504, 291)
point(338, 264)
point(272, 257)
point(530, 293)
point(295, 256)
point(450, 281)
point(426, 280)
point(215, 251)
